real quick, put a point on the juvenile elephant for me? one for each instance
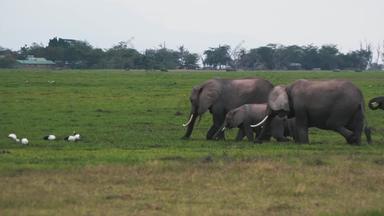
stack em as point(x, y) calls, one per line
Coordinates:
point(331, 105)
point(222, 95)
point(248, 114)
point(376, 103)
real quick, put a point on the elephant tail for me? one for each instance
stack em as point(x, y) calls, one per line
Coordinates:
point(367, 129)
point(368, 132)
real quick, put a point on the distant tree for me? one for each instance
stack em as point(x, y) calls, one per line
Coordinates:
point(93, 58)
point(361, 58)
point(121, 56)
point(7, 58)
point(191, 61)
point(236, 53)
point(292, 54)
point(187, 60)
point(281, 56)
point(167, 58)
point(265, 56)
point(376, 64)
point(248, 60)
point(310, 58)
point(210, 58)
point(71, 53)
point(378, 53)
point(328, 57)
point(368, 54)
point(162, 58)
point(80, 54)
point(217, 57)
point(35, 49)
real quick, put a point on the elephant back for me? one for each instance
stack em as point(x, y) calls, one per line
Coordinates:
point(246, 91)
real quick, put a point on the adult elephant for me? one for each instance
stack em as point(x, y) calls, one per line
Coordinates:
point(219, 96)
point(331, 105)
point(376, 103)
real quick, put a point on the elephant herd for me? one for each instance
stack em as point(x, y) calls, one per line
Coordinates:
point(261, 110)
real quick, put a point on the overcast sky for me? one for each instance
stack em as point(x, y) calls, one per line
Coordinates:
point(196, 24)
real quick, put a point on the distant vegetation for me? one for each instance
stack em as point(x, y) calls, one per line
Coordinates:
point(68, 53)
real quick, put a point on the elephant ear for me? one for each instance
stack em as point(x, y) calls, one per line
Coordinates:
point(195, 92)
point(278, 99)
point(209, 93)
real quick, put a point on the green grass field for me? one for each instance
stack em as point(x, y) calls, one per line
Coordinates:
point(131, 160)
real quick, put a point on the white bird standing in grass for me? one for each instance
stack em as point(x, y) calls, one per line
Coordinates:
point(70, 138)
point(24, 141)
point(12, 136)
point(74, 137)
point(77, 136)
point(50, 137)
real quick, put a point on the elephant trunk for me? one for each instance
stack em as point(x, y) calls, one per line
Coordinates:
point(190, 124)
point(375, 103)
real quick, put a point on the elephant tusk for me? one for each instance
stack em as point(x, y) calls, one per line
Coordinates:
point(260, 123)
point(189, 121)
point(375, 104)
point(223, 129)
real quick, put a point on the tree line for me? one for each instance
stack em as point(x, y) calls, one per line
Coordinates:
point(80, 54)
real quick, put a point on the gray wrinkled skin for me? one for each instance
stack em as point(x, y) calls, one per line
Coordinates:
point(335, 105)
point(246, 115)
point(222, 95)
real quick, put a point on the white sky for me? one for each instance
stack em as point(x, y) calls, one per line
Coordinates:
point(196, 24)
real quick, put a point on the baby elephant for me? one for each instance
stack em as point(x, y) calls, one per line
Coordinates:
point(248, 114)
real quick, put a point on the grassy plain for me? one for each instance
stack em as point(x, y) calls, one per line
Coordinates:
point(131, 159)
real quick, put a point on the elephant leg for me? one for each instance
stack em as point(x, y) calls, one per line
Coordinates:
point(289, 129)
point(240, 134)
point(257, 131)
point(357, 126)
point(347, 134)
point(302, 135)
point(301, 132)
point(277, 130)
point(264, 132)
point(282, 139)
point(212, 130)
point(354, 129)
point(338, 122)
point(249, 133)
point(218, 120)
